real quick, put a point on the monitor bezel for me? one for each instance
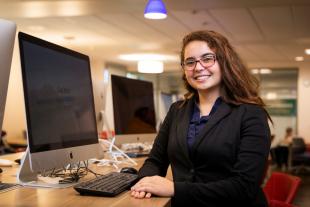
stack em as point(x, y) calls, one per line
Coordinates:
point(124, 138)
point(56, 146)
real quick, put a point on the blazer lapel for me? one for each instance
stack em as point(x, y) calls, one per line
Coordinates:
point(182, 127)
point(223, 110)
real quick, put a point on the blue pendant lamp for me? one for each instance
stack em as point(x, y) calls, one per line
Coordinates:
point(155, 9)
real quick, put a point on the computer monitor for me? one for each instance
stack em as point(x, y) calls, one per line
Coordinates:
point(7, 37)
point(59, 103)
point(133, 108)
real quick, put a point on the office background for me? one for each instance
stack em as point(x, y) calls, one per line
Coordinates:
point(267, 34)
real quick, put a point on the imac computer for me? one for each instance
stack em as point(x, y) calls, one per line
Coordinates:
point(61, 123)
point(133, 107)
point(7, 38)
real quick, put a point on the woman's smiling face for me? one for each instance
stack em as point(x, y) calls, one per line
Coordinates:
point(202, 78)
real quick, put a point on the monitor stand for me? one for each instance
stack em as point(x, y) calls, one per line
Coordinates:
point(27, 177)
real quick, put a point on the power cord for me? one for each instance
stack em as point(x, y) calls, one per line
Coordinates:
point(72, 173)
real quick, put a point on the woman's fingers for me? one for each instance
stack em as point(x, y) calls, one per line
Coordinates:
point(148, 195)
point(155, 185)
point(140, 194)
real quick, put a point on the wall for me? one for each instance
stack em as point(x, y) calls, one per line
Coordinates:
point(14, 116)
point(303, 113)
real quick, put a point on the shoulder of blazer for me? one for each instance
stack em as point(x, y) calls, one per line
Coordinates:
point(253, 108)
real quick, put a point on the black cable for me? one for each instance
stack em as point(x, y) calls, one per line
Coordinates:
point(71, 174)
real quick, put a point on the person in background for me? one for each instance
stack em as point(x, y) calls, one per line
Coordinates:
point(282, 150)
point(217, 139)
point(272, 149)
point(2, 148)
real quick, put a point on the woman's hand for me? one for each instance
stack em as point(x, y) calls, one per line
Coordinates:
point(141, 194)
point(156, 185)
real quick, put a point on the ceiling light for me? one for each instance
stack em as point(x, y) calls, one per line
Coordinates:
point(261, 71)
point(271, 96)
point(143, 56)
point(255, 71)
point(307, 51)
point(150, 66)
point(265, 71)
point(299, 58)
point(155, 9)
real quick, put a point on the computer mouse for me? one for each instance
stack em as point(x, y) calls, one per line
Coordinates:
point(17, 161)
point(130, 170)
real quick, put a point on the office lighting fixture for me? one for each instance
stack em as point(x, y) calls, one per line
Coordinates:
point(255, 71)
point(155, 9)
point(271, 96)
point(148, 56)
point(299, 58)
point(265, 71)
point(150, 66)
point(307, 51)
point(261, 71)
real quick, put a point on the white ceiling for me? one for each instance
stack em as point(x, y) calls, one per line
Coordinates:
point(266, 33)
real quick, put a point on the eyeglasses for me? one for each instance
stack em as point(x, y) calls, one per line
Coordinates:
point(206, 60)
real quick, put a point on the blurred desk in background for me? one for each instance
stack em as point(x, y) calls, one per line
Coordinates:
point(17, 142)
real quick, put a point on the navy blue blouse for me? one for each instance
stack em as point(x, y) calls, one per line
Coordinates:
point(197, 123)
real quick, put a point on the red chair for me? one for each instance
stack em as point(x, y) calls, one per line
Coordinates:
point(281, 187)
point(275, 203)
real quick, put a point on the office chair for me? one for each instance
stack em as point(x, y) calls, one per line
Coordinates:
point(281, 187)
point(300, 157)
point(2, 147)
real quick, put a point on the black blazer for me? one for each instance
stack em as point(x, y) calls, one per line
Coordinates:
point(226, 164)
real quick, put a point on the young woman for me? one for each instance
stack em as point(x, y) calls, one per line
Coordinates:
point(217, 140)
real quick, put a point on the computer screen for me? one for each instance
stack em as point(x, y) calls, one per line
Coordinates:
point(59, 103)
point(7, 37)
point(133, 108)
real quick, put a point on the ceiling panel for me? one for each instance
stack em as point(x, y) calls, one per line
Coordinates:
point(246, 54)
point(198, 20)
point(302, 19)
point(291, 50)
point(170, 27)
point(97, 25)
point(239, 23)
point(266, 52)
point(131, 25)
point(275, 22)
point(264, 32)
point(62, 31)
